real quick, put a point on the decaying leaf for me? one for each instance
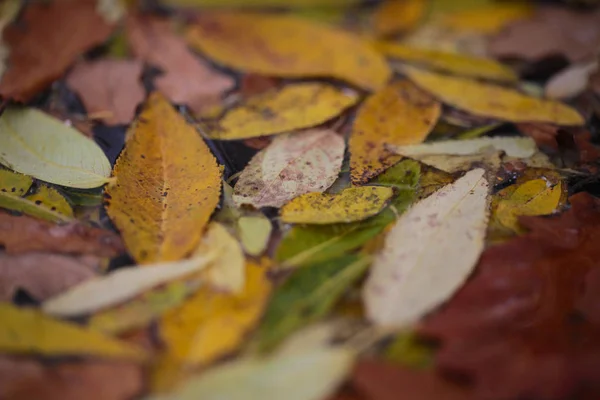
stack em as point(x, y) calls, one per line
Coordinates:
point(27, 331)
point(287, 46)
point(350, 205)
point(43, 45)
point(25, 234)
point(254, 233)
point(167, 184)
point(110, 89)
point(489, 100)
point(35, 144)
point(571, 81)
point(307, 296)
point(453, 63)
point(512, 146)
point(399, 114)
point(293, 107)
point(409, 280)
point(293, 164)
point(397, 16)
point(186, 78)
point(45, 202)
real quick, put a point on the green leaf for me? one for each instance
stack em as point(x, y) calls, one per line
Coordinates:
point(406, 350)
point(36, 144)
point(308, 295)
point(85, 198)
point(44, 202)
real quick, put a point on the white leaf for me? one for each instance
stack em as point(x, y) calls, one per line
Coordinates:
point(429, 253)
point(571, 81)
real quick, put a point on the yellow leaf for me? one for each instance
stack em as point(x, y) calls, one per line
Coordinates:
point(448, 62)
point(489, 100)
point(167, 185)
point(395, 16)
point(487, 19)
point(27, 331)
point(349, 205)
point(260, 3)
point(535, 197)
point(294, 107)
point(288, 46)
point(254, 233)
point(400, 114)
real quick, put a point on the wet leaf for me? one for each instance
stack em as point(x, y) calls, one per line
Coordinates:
point(167, 184)
point(399, 114)
point(349, 205)
point(295, 106)
point(307, 296)
point(489, 100)
point(254, 233)
point(287, 46)
point(292, 165)
point(35, 144)
point(453, 63)
point(186, 79)
point(110, 89)
point(26, 331)
point(43, 44)
point(398, 16)
point(512, 146)
point(45, 202)
point(407, 279)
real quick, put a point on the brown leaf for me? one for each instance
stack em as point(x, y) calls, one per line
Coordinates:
point(516, 327)
point(21, 234)
point(186, 79)
point(46, 41)
point(253, 84)
point(26, 379)
point(543, 134)
point(109, 88)
point(551, 31)
point(43, 275)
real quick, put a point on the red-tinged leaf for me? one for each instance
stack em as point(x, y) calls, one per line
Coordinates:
point(25, 234)
point(517, 328)
point(588, 303)
point(254, 84)
point(46, 41)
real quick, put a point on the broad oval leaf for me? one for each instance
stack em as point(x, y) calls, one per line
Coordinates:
point(292, 165)
point(167, 184)
point(254, 232)
point(295, 106)
point(36, 144)
point(288, 46)
point(489, 100)
point(399, 114)
point(429, 253)
point(349, 205)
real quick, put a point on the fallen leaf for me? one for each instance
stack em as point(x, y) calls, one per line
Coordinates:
point(571, 81)
point(35, 144)
point(24, 379)
point(399, 114)
point(489, 100)
point(407, 351)
point(43, 275)
point(289, 47)
point(350, 205)
point(27, 331)
point(407, 279)
point(254, 233)
point(167, 184)
point(42, 45)
point(489, 159)
point(293, 164)
point(187, 79)
point(45, 202)
point(25, 234)
point(260, 3)
point(307, 296)
point(293, 107)
point(453, 63)
point(109, 87)
point(121, 285)
point(398, 16)
point(544, 135)
point(512, 146)
point(487, 18)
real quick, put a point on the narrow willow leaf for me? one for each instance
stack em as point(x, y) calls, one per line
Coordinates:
point(429, 253)
point(29, 332)
point(36, 144)
point(521, 147)
point(308, 295)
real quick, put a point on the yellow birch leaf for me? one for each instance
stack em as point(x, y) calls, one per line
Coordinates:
point(288, 46)
point(167, 185)
point(349, 205)
point(453, 63)
point(293, 107)
point(395, 16)
point(29, 332)
point(487, 19)
point(489, 100)
point(400, 114)
point(254, 233)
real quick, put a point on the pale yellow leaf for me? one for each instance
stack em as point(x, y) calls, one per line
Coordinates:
point(254, 233)
point(521, 147)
